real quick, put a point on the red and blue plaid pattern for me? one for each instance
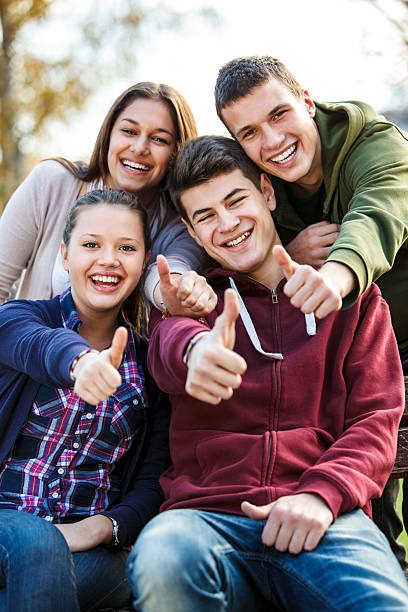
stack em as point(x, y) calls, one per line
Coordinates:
point(62, 462)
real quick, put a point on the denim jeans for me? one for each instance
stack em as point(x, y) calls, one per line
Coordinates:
point(39, 574)
point(203, 561)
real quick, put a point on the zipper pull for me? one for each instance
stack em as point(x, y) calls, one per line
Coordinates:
point(274, 297)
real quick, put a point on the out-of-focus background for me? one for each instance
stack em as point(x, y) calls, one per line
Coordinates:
point(63, 62)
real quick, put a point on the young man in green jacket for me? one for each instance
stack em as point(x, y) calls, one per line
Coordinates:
point(340, 174)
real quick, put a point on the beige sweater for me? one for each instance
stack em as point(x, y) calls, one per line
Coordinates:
point(31, 230)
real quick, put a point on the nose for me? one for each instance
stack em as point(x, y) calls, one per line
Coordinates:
point(227, 221)
point(140, 144)
point(108, 257)
point(272, 137)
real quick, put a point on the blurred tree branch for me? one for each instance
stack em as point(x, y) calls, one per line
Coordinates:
point(37, 85)
point(399, 22)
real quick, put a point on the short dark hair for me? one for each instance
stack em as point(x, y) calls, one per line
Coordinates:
point(204, 158)
point(238, 78)
point(133, 309)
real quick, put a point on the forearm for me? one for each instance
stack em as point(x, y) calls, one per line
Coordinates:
point(340, 276)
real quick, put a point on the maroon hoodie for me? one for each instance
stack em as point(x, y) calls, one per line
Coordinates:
point(322, 420)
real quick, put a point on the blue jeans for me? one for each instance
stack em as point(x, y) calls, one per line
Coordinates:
point(205, 561)
point(39, 574)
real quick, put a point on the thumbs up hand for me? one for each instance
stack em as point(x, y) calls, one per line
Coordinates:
point(214, 369)
point(96, 374)
point(187, 294)
point(309, 289)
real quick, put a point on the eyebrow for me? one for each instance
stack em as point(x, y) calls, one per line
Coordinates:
point(159, 129)
point(274, 110)
point(89, 235)
point(227, 197)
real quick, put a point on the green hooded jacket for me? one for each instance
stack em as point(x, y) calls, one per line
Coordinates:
point(365, 168)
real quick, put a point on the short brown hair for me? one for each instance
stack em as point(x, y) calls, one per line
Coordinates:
point(238, 78)
point(204, 158)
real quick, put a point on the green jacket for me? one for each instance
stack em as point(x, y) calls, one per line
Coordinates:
point(365, 168)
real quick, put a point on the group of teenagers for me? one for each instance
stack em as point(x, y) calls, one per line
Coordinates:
point(200, 383)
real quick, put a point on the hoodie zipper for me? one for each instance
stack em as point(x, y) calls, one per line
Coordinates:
point(274, 301)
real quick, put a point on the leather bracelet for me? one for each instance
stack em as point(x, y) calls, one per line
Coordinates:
point(77, 358)
point(191, 345)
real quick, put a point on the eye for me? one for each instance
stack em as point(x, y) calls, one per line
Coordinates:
point(205, 217)
point(238, 201)
point(160, 140)
point(127, 248)
point(90, 245)
point(246, 135)
point(128, 131)
point(278, 115)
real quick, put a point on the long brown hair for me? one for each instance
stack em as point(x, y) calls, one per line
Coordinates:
point(185, 128)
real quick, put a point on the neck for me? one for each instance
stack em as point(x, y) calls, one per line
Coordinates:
point(148, 197)
point(269, 273)
point(98, 330)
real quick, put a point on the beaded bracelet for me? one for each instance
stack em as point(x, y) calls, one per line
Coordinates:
point(77, 358)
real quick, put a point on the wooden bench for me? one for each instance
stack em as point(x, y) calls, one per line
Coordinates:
point(400, 469)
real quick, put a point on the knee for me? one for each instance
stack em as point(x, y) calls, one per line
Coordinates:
point(29, 535)
point(163, 553)
point(159, 549)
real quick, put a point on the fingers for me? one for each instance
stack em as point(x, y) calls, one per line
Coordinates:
point(196, 294)
point(310, 291)
point(297, 522)
point(97, 381)
point(118, 346)
point(213, 371)
point(224, 328)
point(283, 258)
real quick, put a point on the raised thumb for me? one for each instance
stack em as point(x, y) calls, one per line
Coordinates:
point(164, 271)
point(285, 261)
point(118, 346)
point(225, 323)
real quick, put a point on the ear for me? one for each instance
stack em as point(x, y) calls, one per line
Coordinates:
point(64, 255)
point(310, 107)
point(192, 233)
point(268, 192)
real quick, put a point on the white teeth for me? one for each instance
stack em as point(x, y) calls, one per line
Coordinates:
point(134, 165)
point(285, 155)
point(238, 240)
point(105, 279)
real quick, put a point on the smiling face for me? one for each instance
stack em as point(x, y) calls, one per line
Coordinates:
point(105, 258)
point(232, 220)
point(277, 131)
point(142, 141)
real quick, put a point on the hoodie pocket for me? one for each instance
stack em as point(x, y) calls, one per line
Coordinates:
point(296, 451)
point(231, 459)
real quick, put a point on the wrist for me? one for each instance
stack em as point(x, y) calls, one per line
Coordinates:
point(190, 346)
point(73, 371)
point(340, 276)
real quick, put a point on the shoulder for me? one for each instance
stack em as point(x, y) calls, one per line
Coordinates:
point(53, 169)
point(47, 310)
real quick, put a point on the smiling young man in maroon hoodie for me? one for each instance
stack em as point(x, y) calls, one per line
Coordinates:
point(283, 423)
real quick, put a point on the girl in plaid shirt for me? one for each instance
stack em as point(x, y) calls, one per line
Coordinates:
point(83, 428)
